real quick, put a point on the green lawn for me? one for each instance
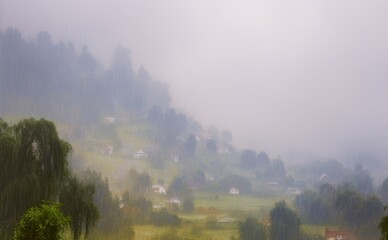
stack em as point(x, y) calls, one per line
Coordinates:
point(316, 229)
point(184, 232)
point(234, 202)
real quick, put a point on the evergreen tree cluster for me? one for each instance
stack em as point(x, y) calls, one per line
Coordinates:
point(46, 79)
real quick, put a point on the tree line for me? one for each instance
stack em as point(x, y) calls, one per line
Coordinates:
point(42, 78)
point(343, 206)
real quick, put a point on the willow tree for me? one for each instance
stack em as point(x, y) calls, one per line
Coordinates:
point(33, 165)
point(77, 200)
point(285, 224)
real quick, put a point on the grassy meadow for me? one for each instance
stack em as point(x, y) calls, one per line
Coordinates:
point(216, 215)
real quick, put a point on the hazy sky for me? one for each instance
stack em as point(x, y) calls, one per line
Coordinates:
point(283, 75)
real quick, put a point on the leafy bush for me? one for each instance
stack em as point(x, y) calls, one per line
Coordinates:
point(44, 222)
point(164, 218)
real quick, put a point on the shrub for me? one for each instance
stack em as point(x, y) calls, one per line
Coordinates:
point(44, 222)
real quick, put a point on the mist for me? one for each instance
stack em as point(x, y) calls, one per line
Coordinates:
point(288, 77)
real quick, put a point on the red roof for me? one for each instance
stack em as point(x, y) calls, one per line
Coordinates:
point(338, 234)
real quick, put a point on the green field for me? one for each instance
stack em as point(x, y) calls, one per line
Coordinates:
point(316, 229)
point(188, 231)
point(221, 209)
point(234, 202)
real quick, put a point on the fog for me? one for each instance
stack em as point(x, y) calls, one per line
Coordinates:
point(288, 77)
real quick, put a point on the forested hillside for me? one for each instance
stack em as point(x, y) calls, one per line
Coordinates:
point(42, 78)
point(138, 161)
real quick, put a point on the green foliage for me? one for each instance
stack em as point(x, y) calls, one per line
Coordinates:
point(276, 171)
point(263, 160)
point(285, 224)
point(164, 218)
point(361, 180)
point(235, 181)
point(188, 205)
point(70, 82)
point(199, 178)
point(33, 167)
point(384, 191)
point(312, 208)
point(312, 170)
point(358, 213)
point(211, 146)
point(44, 222)
point(142, 186)
point(248, 159)
point(139, 185)
point(343, 206)
point(190, 146)
point(179, 188)
point(78, 203)
point(383, 226)
point(111, 216)
point(251, 230)
point(349, 205)
point(170, 125)
point(137, 208)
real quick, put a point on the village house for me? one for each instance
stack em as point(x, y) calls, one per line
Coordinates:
point(225, 219)
point(140, 154)
point(158, 206)
point(107, 150)
point(221, 149)
point(175, 158)
point(337, 235)
point(234, 191)
point(110, 120)
point(175, 200)
point(159, 189)
point(209, 178)
point(293, 191)
point(324, 178)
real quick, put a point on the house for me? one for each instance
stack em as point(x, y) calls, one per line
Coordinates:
point(175, 158)
point(159, 189)
point(107, 150)
point(209, 178)
point(110, 120)
point(324, 178)
point(221, 149)
point(175, 200)
point(225, 219)
point(337, 235)
point(203, 136)
point(293, 191)
point(158, 206)
point(140, 154)
point(234, 191)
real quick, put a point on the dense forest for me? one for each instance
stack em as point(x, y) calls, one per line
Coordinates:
point(40, 78)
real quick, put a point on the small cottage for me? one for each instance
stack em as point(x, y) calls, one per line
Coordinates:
point(293, 191)
point(234, 191)
point(159, 189)
point(140, 154)
point(175, 200)
point(337, 235)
